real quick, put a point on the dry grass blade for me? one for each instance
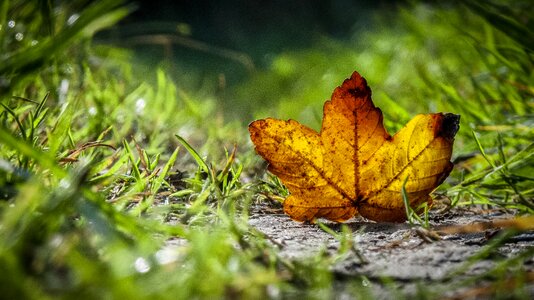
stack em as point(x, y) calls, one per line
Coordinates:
point(73, 154)
point(518, 223)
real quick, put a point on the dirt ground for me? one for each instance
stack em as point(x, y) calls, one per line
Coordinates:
point(398, 252)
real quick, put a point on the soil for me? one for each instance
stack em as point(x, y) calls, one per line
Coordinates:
point(406, 256)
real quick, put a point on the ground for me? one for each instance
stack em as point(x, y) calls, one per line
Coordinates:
point(405, 255)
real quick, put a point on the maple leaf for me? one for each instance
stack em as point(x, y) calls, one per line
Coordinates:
point(353, 165)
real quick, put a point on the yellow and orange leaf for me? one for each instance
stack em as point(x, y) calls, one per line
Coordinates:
point(353, 165)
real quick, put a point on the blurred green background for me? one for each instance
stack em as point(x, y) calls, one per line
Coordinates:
point(218, 47)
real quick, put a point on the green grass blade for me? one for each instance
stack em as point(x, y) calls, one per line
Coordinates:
point(481, 149)
point(135, 168)
point(24, 148)
point(201, 163)
point(19, 124)
point(158, 182)
point(406, 201)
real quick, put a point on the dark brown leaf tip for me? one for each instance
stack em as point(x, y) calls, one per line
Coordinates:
point(356, 86)
point(449, 126)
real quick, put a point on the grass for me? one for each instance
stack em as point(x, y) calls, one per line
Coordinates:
point(102, 170)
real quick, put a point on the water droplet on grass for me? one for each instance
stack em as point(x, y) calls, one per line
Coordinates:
point(141, 265)
point(140, 106)
point(72, 19)
point(92, 110)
